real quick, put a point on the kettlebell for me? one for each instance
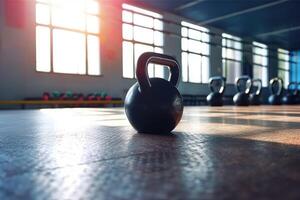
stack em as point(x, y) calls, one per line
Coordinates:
point(215, 98)
point(291, 94)
point(242, 97)
point(154, 105)
point(254, 98)
point(275, 97)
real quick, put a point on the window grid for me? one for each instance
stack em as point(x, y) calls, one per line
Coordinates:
point(231, 57)
point(142, 31)
point(284, 66)
point(195, 53)
point(260, 62)
point(45, 15)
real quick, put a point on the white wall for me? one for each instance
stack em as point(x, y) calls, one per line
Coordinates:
point(19, 79)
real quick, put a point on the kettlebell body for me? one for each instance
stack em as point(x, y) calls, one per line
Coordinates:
point(242, 97)
point(275, 97)
point(254, 98)
point(292, 94)
point(215, 98)
point(154, 105)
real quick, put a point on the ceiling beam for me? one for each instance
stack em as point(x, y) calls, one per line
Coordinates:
point(187, 5)
point(295, 28)
point(243, 12)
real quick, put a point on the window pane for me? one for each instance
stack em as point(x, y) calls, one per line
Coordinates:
point(194, 46)
point(159, 70)
point(193, 34)
point(92, 7)
point(43, 49)
point(194, 68)
point(127, 31)
point(184, 64)
point(69, 52)
point(42, 14)
point(205, 69)
point(143, 35)
point(93, 24)
point(93, 55)
point(184, 32)
point(128, 69)
point(233, 70)
point(142, 20)
point(127, 16)
point(158, 38)
point(68, 18)
point(158, 24)
point(184, 44)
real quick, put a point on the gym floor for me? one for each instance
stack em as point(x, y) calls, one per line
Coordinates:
point(214, 153)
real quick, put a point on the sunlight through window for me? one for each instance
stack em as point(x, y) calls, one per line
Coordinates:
point(67, 36)
point(231, 57)
point(142, 32)
point(284, 66)
point(260, 62)
point(195, 53)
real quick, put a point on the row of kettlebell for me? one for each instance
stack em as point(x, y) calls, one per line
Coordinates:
point(245, 97)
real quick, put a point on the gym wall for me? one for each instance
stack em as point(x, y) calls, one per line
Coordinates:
point(19, 78)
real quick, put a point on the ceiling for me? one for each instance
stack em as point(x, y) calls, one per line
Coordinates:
point(268, 21)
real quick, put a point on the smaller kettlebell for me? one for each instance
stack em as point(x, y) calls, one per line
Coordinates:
point(154, 105)
point(242, 97)
point(254, 98)
point(291, 95)
point(215, 98)
point(275, 97)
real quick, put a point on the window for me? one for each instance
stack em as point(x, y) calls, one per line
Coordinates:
point(142, 32)
point(231, 57)
point(284, 66)
point(195, 53)
point(67, 36)
point(295, 67)
point(260, 62)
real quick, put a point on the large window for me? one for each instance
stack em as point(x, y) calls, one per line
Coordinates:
point(231, 57)
point(284, 66)
point(142, 32)
point(295, 67)
point(67, 36)
point(260, 62)
point(195, 53)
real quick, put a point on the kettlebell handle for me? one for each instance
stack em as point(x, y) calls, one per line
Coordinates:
point(280, 85)
point(259, 86)
point(217, 78)
point(155, 58)
point(248, 83)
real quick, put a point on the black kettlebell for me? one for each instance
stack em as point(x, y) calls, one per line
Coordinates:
point(242, 97)
point(291, 94)
point(215, 98)
point(154, 105)
point(275, 97)
point(254, 98)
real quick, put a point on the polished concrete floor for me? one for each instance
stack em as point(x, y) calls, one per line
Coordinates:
point(214, 153)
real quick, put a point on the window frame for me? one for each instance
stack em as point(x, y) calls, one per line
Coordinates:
point(73, 30)
point(264, 47)
point(285, 61)
point(225, 47)
point(146, 13)
point(203, 33)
